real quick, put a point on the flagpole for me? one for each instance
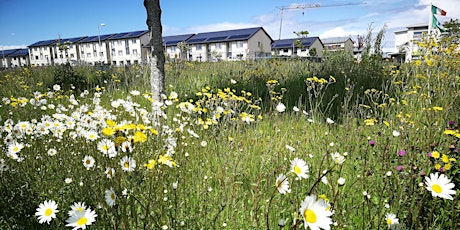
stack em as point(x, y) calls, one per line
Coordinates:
point(430, 19)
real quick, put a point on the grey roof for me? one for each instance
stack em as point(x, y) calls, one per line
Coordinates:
point(173, 40)
point(335, 40)
point(224, 36)
point(71, 40)
point(288, 43)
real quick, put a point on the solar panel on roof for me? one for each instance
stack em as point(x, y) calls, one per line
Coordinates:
point(197, 40)
point(217, 38)
point(238, 36)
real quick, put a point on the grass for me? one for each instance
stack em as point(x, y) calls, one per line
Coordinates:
point(221, 141)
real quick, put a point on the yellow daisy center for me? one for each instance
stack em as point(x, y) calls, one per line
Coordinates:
point(48, 212)
point(105, 147)
point(389, 221)
point(297, 170)
point(112, 196)
point(436, 188)
point(310, 216)
point(82, 221)
point(126, 164)
point(88, 162)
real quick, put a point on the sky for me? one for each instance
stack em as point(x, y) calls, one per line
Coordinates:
point(24, 22)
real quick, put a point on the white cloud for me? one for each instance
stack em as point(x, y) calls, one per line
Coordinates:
point(337, 32)
point(12, 47)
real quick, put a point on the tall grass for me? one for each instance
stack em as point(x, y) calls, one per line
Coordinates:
point(223, 138)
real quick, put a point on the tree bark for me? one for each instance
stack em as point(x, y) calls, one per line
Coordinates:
point(157, 60)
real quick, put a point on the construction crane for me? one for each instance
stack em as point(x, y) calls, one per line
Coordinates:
point(309, 6)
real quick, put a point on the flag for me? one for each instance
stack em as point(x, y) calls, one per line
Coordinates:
point(438, 24)
point(436, 10)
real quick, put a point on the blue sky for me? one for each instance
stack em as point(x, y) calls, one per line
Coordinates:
point(24, 22)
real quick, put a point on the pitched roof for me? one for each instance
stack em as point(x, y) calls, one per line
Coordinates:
point(43, 43)
point(96, 38)
point(20, 52)
point(14, 53)
point(288, 43)
point(173, 40)
point(71, 40)
point(335, 40)
point(224, 36)
point(126, 35)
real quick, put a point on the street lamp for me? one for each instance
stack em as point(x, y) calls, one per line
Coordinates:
point(99, 38)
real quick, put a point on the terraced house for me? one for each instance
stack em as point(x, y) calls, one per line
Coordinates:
point(120, 49)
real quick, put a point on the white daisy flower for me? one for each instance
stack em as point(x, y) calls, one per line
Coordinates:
point(127, 164)
point(337, 158)
point(77, 208)
point(299, 167)
point(82, 219)
point(280, 107)
point(282, 184)
point(440, 186)
point(88, 162)
point(46, 211)
point(391, 220)
point(110, 197)
point(315, 213)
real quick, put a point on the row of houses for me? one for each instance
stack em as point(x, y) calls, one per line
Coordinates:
point(128, 48)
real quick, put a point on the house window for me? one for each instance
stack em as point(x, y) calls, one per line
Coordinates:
point(285, 50)
point(82, 53)
point(259, 44)
point(88, 55)
point(35, 49)
point(87, 45)
point(72, 55)
point(219, 46)
point(199, 47)
point(122, 62)
point(134, 41)
point(101, 54)
point(239, 44)
point(94, 53)
point(41, 56)
point(120, 52)
point(127, 50)
point(135, 51)
point(113, 52)
point(119, 42)
point(36, 57)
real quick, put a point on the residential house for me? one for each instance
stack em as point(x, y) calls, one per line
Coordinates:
point(129, 48)
point(338, 43)
point(14, 58)
point(298, 47)
point(240, 44)
point(94, 50)
point(66, 50)
point(172, 49)
point(41, 53)
point(406, 48)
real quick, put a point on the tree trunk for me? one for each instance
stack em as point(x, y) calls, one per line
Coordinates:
point(157, 60)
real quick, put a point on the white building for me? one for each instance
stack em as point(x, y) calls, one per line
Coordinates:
point(128, 48)
point(406, 48)
point(41, 53)
point(298, 47)
point(14, 58)
point(172, 50)
point(240, 44)
point(93, 50)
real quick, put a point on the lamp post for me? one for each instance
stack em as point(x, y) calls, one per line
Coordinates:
point(99, 38)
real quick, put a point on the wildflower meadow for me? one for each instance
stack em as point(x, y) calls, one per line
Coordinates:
point(271, 144)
